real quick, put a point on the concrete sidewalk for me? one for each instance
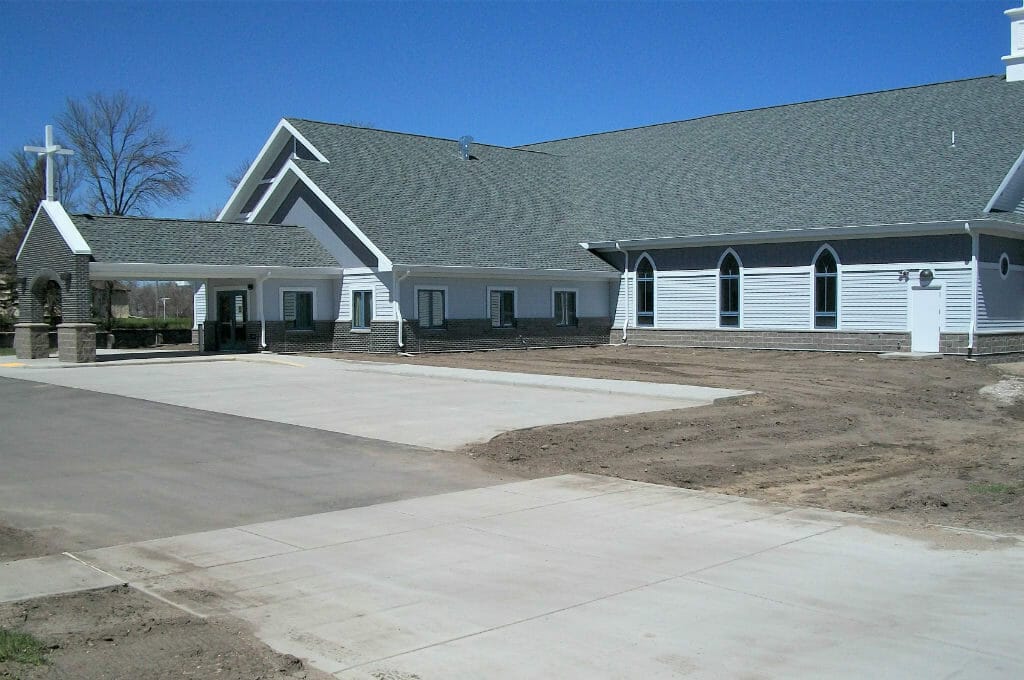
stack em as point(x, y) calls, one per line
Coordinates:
point(586, 577)
point(434, 407)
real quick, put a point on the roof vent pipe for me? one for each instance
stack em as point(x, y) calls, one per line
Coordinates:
point(464, 143)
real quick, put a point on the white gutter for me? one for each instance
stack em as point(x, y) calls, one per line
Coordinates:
point(398, 307)
point(263, 316)
point(814, 233)
point(180, 272)
point(507, 272)
point(975, 248)
point(625, 283)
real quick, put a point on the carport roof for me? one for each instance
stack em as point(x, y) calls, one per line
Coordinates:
point(123, 239)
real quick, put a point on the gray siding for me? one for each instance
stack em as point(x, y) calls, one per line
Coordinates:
point(947, 248)
point(1000, 301)
point(326, 304)
point(467, 298)
point(990, 248)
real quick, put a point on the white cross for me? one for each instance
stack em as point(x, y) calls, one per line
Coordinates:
point(49, 150)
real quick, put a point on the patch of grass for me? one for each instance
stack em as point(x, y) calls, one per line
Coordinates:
point(21, 647)
point(995, 489)
point(6, 351)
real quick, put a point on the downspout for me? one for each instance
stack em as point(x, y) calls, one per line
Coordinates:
point(263, 315)
point(974, 287)
point(625, 284)
point(398, 307)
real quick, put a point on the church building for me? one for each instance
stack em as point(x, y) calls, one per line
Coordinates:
point(888, 221)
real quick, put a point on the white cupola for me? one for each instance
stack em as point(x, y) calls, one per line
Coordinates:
point(1015, 59)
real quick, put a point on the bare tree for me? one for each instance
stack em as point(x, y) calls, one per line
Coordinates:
point(128, 162)
point(234, 178)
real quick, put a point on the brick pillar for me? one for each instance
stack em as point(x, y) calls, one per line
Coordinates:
point(31, 340)
point(76, 342)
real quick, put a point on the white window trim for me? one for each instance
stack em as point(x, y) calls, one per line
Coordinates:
point(487, 302)
point(636, 290)
point(416, 300)
point(555, 291)
point(718, 291)
point(839, 288)
point(295, 289)
point(351, 307)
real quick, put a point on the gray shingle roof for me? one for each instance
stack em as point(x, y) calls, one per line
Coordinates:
point(879, 158)
point(166, 241)
point(421, 204)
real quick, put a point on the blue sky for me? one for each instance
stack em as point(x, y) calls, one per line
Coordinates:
point(221, 75)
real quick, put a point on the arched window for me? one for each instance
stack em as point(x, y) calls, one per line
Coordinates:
point(826, 280)
point(729, 292)
point(645, 292)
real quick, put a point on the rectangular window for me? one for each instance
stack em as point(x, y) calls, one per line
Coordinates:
point(503, 308)
point(565, 308)
point(430, 308)
point(729, 300)
point(645, 302)
point(362, 309)
point(297, 309)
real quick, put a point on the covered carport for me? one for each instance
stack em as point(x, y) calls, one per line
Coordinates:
point(229, 263)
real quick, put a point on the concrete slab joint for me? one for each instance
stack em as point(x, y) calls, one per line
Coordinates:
point(76, 342)
point(31, 340)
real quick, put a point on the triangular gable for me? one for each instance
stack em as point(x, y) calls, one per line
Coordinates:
point(284, 143)
point(65, 227)
point(292, 185)
point(1009, 197)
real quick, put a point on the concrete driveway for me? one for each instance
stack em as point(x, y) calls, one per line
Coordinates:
point(439, 408)
point(590, 577)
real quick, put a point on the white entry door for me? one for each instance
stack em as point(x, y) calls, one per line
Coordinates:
point(926, 305)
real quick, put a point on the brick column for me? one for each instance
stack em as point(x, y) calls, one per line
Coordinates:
point(76, 342)
point(31, 340)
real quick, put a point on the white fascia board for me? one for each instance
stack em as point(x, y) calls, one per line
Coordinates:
point(505, 272)
point(1004, 185)
point(996, 227)
point(290, 168)
point(28, 232)
point(784, 235)
point(175, 272)
point(270, 149)
point(67, 229)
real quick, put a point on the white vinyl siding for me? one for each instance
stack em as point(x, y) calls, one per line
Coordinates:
point(776, 300)
point(956, 285)
point(382, 301)
point(688, 301)
point(873, 300)
point(617, 299)
point(198, 304)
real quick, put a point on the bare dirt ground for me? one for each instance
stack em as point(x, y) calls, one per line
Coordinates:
point(910, 440)
point(120, 633)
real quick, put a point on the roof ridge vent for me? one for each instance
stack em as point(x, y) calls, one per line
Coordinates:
point(464, 143)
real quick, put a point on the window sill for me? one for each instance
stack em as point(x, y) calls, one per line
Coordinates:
point(360, 330)
point(298, 330)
